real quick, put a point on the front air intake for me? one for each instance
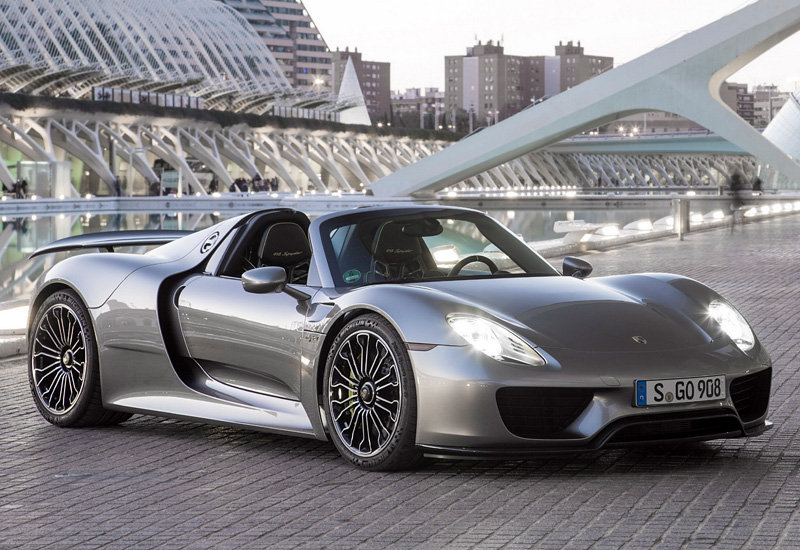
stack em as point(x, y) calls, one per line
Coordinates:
point(541, 412)
point(750, 394)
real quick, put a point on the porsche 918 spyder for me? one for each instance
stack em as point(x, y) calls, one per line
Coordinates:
point(397, 332)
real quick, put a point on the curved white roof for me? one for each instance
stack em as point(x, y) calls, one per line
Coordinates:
point(194, 47)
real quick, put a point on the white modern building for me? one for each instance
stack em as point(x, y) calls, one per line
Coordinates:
point(198, 48)
point(783, 131)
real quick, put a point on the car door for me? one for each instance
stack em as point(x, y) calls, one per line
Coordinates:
point(251, 341)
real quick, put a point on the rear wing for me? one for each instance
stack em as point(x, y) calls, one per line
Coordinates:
point(109, 240)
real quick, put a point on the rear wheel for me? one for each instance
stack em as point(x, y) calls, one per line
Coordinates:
point(63, 368)
point(369, 396)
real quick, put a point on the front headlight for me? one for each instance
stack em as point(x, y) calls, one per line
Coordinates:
point(732, 322)
point(494, 340)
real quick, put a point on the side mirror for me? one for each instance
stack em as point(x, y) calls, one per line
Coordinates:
point(270, 280)
point(575, 267)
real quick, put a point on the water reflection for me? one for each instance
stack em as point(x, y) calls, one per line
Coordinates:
point(537, 225)
point(20, 236)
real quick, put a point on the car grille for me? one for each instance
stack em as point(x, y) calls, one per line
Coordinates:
point(670, 426)
point(541, 412)
point(750, 394)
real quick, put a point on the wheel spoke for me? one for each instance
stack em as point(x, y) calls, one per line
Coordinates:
point(70, 329)
point(392, 413)
point(343, 401)
point(73, 389)
point(363, 356)
point(368, 430)
point(346, 409)
point(55, 388)
point(77, 368)
point(353, 425)
point(60, 326)
point(349, 357)
point(48, 368)
point(382, 431)
point(48, 330)
point(50, 354)
point(379, 358)
point(346, 387)
point(343, 411)
point(63, 389)
point(390, 372)
point(389, 385)
point(48, 351)
point(353, 381)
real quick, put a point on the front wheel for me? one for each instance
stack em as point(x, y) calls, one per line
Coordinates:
point(370, 397)
point(63, 368)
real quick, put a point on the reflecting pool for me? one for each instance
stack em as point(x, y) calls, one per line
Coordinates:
point(20, 236)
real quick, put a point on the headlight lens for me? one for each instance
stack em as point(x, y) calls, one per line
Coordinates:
point(494, 340)
point(732, 322)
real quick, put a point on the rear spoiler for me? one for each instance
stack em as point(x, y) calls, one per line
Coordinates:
point(109, 240)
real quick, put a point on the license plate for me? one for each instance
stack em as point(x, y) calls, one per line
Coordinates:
point(679, 390)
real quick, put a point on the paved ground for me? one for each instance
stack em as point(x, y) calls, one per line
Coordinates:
point(153, 483)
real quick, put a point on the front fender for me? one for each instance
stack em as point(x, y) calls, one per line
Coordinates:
point(417, 314)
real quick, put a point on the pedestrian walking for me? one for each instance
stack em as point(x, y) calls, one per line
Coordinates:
point(737, 199)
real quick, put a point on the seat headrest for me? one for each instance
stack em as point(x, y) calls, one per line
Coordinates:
point(284, 244)
point(394, 246)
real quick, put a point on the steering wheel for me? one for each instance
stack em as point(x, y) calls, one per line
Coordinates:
point(468, 260)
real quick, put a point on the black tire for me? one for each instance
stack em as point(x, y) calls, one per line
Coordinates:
point(370, 398)
point(63, 366)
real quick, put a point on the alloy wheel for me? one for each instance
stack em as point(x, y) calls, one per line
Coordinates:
point(58, 360)
point(365, 393)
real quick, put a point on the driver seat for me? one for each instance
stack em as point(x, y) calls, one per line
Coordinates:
point(395, 255)
point(285, 245)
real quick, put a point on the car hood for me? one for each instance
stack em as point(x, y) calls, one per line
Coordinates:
point(583, 315)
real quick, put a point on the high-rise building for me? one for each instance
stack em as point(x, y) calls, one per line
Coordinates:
point(572, 66)
point(768, 101)
point(373, 77)
point(739, 99)
point(491, 85)
point(293, 38)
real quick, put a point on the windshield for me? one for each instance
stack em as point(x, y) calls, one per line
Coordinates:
point(425, 246)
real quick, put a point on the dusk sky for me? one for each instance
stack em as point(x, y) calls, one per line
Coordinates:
point(415, 35)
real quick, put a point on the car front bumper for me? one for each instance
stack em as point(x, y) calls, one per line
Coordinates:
point(471, 405)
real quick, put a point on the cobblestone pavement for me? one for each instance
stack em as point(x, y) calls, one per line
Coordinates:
point(154, 483)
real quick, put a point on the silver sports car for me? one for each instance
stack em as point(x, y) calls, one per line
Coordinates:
point(408, 332)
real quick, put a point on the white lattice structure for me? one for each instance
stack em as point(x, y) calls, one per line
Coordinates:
point(194, 47)
point(323, 161)
point(554, 170)
point(111, 147)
